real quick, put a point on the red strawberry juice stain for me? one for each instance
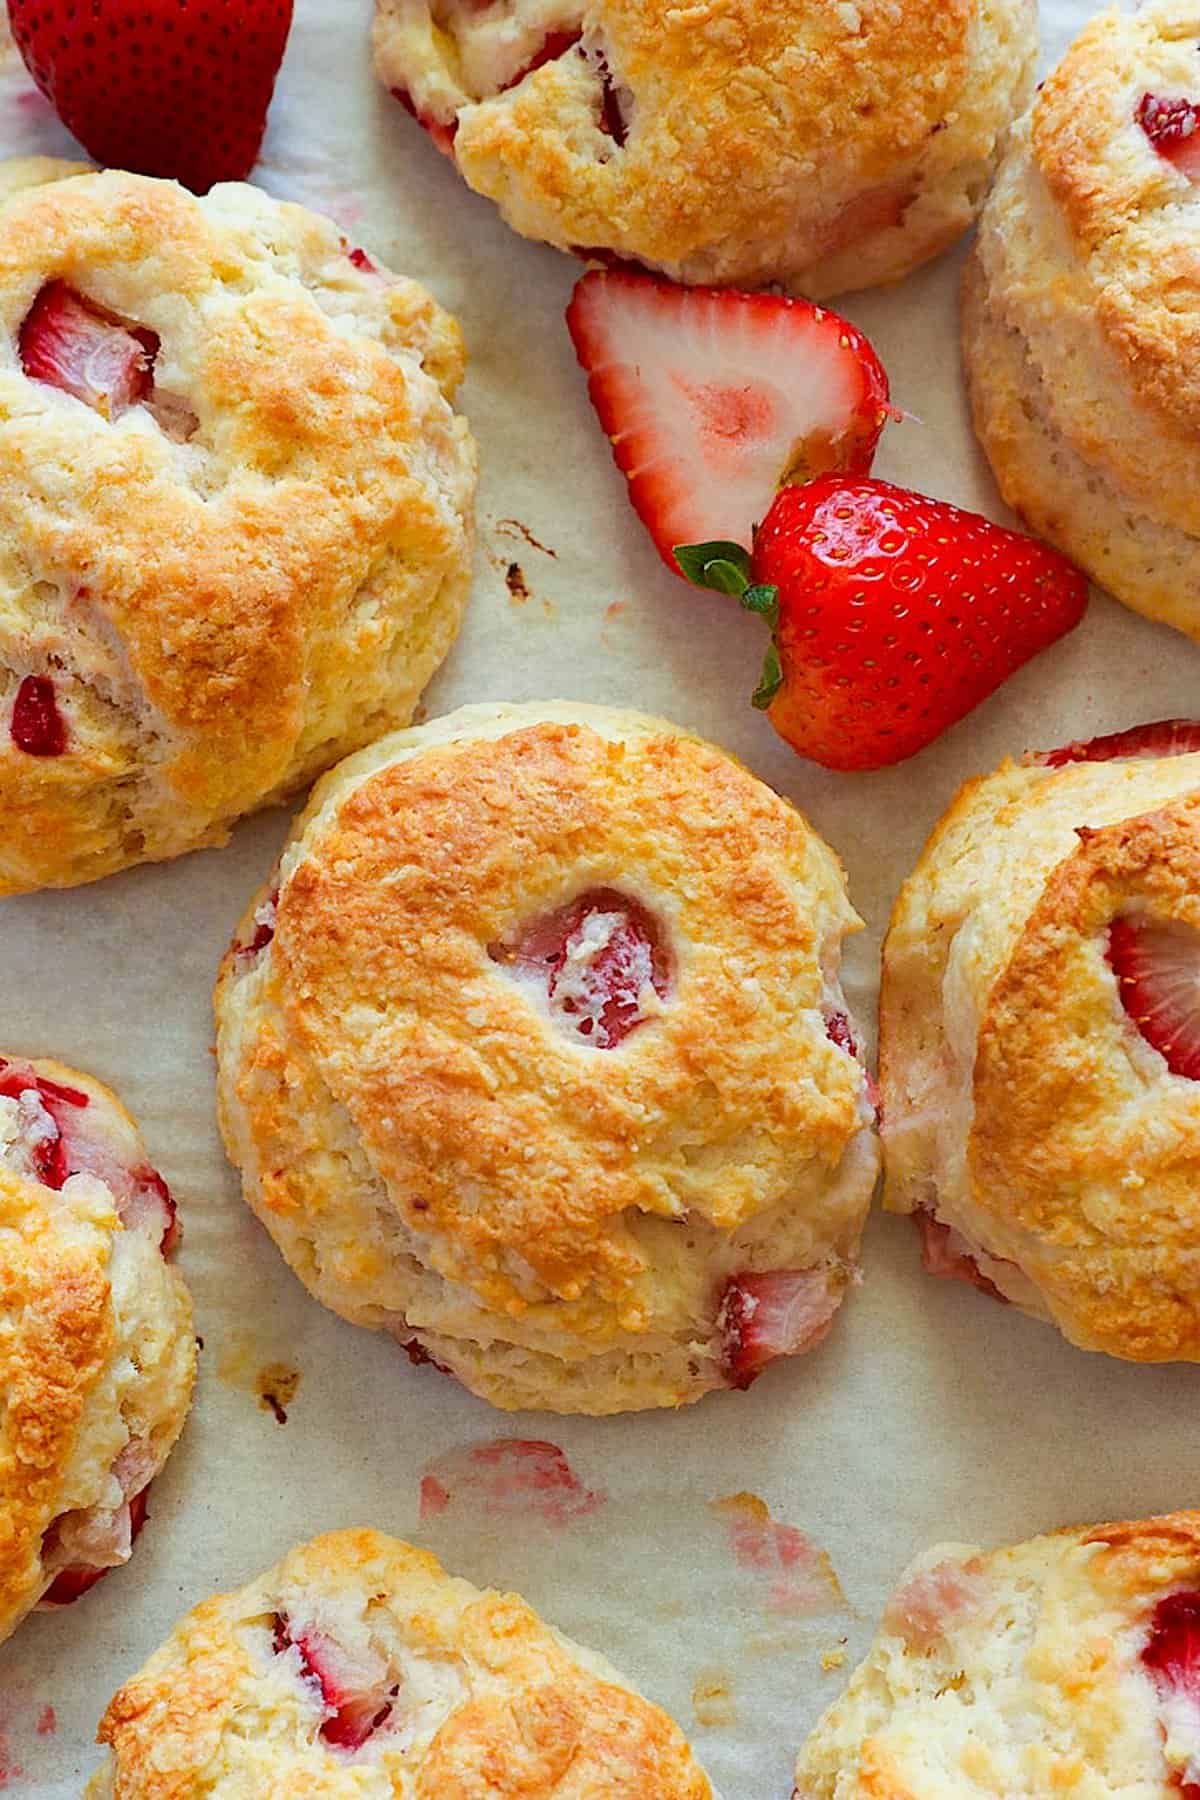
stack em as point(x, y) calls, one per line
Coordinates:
point(47, 1723)
point(1171, 1653)
point(792, 1575)
point(37, 726)
point(595, 958)
point(522, 1478)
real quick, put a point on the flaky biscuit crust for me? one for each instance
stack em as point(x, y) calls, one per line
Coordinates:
point(1081, 322)
point(1016, 1674)
point(490, 1704)
point(226, 606)
point(554, 1222)
point(96, 1350)
point(821, 146)
point(1021, 1106)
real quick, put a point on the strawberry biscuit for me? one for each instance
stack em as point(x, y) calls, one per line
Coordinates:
point(816, 145)
point(1081, 322)
point(234, 512)
point(533, 1053)
point(97, 1355)
point(1068, 1666)
point(357, 1667)
point(1040, 1041)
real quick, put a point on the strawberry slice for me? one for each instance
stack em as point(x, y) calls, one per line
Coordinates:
point(1166, 737)
point(781, 1313)
point(68, 343)
point(1172, 1655)
point(357, 1694)
point(1173, 127)
point(946, 1253)
point(1157, 966)
point(712, 398)
point(596, 960)
point(891, 614)
point(74, 1581)
point(178, 88)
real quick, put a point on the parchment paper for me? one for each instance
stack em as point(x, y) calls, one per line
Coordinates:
point(929, 1413)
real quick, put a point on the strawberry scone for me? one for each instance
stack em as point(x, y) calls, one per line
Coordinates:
point(235, 509)
point(1040, 1041)
point(1066, 1666)
point(97, 1354)
point(1081, 318)
point(358, 1667)
point(533, 1053)
point(815, 145)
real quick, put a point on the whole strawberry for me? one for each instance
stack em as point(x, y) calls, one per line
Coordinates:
point(178, 88)
point(891, 614)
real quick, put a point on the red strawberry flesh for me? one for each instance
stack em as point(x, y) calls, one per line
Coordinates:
point(354, 1712)
point(442, 135)
point(596, 958)
point(1166, 737)
point(37, 726)
point(68, 343)
point(711, 397)
point(762, 1317)
point(1173, 127)
point(897, 614)
point(178, 88)
point(1171, 1653)
point(73, 1582)
point(947, 1254)
point(1157, 966)
point(48, 1151)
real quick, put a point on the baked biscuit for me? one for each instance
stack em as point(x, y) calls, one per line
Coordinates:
point(97, 1355)
point(1039, 1061)
point(1081, 319)
point(1067, 1666)
point(533, 1052)
point(234, 511)
point(820, 146)
point(358, 1667)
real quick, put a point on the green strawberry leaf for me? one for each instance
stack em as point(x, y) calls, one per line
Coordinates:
point(770, 681)
point(720, 565)
point(763, 600)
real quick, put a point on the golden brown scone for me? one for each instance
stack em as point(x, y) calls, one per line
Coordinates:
point(1081, 321)
point(1067, 1666)
point(820, 144)
point(358, 1667)
point(235, 510)
point(97, 1355)
point(1039, 1053)
point(533, 1052)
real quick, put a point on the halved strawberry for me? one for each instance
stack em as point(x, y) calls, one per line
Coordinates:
point(1172, 1655)
point(711, 398)
point(598, 958)
point(357, 1693)
point(68, 343)
point(780, 1313)
point(1157, 966)
point(1166, 737)
point(37, 726)
point(1173, 127)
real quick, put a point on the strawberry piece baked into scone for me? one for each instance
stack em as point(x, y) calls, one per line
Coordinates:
point(358, 1667)
point(821, 147)
point(533, 1052)
point(97, 1354)
point(1081, 319)
point(1040, 1041)
point(235, 511)
point(1069, 1665)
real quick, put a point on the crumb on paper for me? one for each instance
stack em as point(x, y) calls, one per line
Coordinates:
point(796, 1574)
point(515, 582)
point(509, 1478)
point(615, 608)
point(834, 1658)
point(713, 1699)
point(276, 1384)
point(513, 528)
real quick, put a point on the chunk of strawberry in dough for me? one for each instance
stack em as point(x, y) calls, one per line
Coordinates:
point(356, 1692)
point(599, 960)
point(780, 1313)
point(1171, 1654)
point(1173, 127)
point(1166, 737)
point(37, 726)
point(1157, 965)
point(68, 343)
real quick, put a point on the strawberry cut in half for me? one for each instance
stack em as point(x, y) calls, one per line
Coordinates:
point(1157, 966)
point(712, 398)
point(1166, 737)
point(763, 1317)
point(68, 343)
point(356, 1693)
point(891, 614)
point(1171, 1654)
point(1173, 127)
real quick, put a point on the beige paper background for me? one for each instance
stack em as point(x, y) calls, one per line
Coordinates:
point(930, 1413)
